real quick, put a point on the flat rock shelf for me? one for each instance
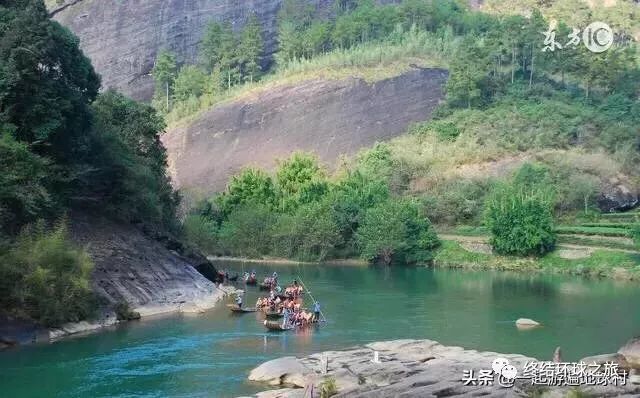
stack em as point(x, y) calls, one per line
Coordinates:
point(407, 368)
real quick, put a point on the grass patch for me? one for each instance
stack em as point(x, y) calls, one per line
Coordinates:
point(602, 231)
point(452, 255)
point(576, 240)
point(468, 230)
point(601, 263)
point(631, 217)
point(607, 225)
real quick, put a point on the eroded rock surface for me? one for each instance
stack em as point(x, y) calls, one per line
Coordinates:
point(327, 117)
point(133, 268)
point(409, 368)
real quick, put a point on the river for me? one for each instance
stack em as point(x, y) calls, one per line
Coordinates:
point(210, 355)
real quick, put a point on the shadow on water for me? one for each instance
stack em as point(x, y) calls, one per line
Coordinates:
point(533, 286)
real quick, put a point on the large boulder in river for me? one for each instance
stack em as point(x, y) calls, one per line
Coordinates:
point(526, 323)
point(281, 371)
point(631, 352)
point(617, 194)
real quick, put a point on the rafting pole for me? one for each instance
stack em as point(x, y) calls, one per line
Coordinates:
point(312, 298)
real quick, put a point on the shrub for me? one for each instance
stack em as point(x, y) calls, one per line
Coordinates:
point(456, 201)
point(350, 198)
point(124, 312)
point(520, 221)
point(445, 130)
point(46, 278)
point(328, 388)
point(394, 231)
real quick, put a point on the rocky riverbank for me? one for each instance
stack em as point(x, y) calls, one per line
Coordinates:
point(418, 368)
point(138, 272)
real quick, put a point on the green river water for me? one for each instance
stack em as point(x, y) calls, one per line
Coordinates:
point(211, 354)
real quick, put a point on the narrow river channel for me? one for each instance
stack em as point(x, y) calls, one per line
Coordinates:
point(210, 355)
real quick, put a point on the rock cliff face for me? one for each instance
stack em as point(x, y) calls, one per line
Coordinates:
point(131, 267)
point(329, 118)
point(122, 37)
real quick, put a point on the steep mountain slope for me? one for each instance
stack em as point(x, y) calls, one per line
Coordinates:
point(122, 38)
point(327, 117)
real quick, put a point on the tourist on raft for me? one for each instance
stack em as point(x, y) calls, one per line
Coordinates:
point(316, 312)
point(239, 300)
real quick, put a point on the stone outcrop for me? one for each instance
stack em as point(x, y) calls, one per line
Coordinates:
point(617, 194)
point(132, 267)
point(407, 368)
point(286, 370)
point(328, 117)
point(123, 37)
point(631, 351)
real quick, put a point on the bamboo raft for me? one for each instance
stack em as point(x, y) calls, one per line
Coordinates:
point(234, 308)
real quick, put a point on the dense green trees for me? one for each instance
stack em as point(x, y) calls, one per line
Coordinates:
point(63, 147)
point(488, 55)
point(24, 196)
point(394, 231)
point(227, 58)
point(300, 181)
point(303, 214)
point(234, 57)
point(46, 83)
point(249, 186)
point(130, 179)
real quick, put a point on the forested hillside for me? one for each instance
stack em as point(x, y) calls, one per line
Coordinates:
point(553, 133)
point(64, 147)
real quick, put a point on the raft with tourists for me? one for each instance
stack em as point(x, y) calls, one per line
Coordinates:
point(250, 278)
point(285, 312)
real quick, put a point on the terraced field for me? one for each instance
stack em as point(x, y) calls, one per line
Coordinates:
point(611, 232)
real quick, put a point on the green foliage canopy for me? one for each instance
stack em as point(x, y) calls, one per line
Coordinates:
point(394, 231)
